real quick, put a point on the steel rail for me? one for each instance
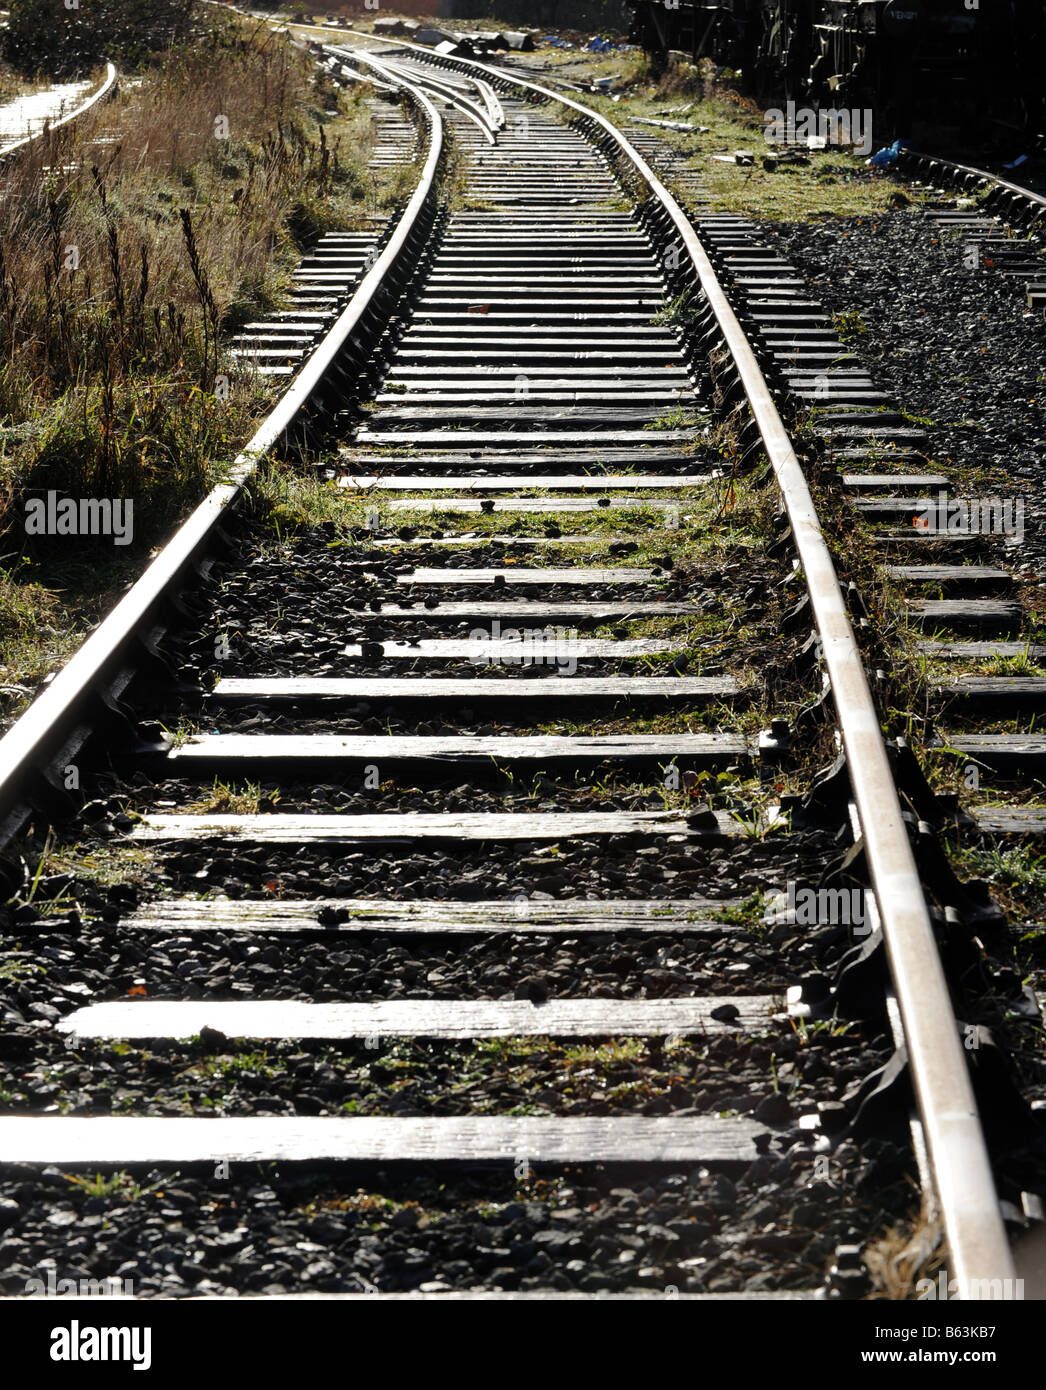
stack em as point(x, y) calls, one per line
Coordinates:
point(978, 1246)
point(490, 97)
point(340, 66)
point(391, 70)
point(1000, 189)
point(442, 91)
point(92, 100)
point(37, 735)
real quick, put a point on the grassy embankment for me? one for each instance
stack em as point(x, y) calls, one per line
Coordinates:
point(134, 242)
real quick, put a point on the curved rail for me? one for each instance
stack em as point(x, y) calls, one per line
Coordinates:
point(339, 66)
point(104, 90)
point(443, 91)
point(978, 1245)
point(1022, 203)
point(490, 97)
point(36, 738)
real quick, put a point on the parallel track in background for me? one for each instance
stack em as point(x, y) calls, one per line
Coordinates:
point(53, 121)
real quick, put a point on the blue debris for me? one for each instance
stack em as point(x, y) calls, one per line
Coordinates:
point(598, 45)
point(886, 158)
point(1016, 163)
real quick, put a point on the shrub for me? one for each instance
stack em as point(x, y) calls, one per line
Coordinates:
point(124, 265)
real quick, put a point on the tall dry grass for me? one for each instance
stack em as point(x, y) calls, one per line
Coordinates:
point(132, 242)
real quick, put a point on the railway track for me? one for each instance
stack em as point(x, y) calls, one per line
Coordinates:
point(517, 382)
point(33, 117)
point(994, 227)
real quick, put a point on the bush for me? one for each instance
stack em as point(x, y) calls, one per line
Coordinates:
point(46, 36)
point(109, 357)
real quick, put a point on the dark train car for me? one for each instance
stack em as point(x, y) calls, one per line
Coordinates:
point(972, 65)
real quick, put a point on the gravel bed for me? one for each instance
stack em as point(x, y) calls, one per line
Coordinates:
point(689, 1076)
point(604, 716)
point(772, 1225)
point(117, 964)
point(959, 349)
point(612, 866)
point(956, 347)
point(561, 794)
